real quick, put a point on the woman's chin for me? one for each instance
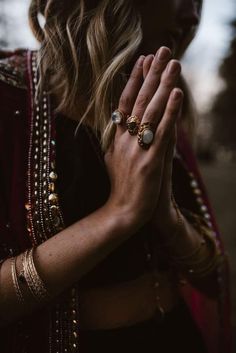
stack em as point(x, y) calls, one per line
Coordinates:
point(152, 47)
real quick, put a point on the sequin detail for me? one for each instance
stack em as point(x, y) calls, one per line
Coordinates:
point(44, 217)
point(13, 69)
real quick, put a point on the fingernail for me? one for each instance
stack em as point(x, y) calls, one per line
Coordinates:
point(140, 61)
point(173, 67)
point(163, 53)
point(150, 57)
point(177, 95)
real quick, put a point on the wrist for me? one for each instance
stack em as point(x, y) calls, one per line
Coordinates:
point(168, 223)
point(122, 220)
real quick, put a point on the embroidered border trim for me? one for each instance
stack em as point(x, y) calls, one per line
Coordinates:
point(44, 217)
point(205, 214)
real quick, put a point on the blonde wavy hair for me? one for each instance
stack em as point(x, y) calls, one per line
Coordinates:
point(86, 45)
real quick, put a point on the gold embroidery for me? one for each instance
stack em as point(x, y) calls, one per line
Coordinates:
point(43, 211)
point(13, 68)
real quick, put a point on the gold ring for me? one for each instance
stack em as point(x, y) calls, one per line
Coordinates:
point(132, 124)
point(146, 135)
point(117, 117)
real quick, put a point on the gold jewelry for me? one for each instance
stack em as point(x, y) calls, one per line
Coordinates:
point(199, 268)
point(159, 312)
point(179, 226)
point(15, 280)
point(197, 264)
point(132, 124)
point(34, 282)
point(117, 117)
point(146, 135)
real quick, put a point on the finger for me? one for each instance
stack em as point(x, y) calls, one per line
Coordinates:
point(147, 64)
point(166, 126)
point(166, 189)
point(180, 111)
point(152, 81)
point(132, 88)
point(157, 106)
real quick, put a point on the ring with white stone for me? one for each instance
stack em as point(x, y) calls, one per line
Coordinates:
point(132, 124)
point(117, 117)
point(146, 135)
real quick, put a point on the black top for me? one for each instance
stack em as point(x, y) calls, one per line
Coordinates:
point(83, 186)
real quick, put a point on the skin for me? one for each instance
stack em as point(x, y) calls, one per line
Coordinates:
point(171, 23)
point(149, 99)
point(151, 94)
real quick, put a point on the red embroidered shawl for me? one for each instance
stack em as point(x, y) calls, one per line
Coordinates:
point(28, 216)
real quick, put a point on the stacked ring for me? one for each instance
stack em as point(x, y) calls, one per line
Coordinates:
point(146, 135)
point(132, 124)
point(117, 117)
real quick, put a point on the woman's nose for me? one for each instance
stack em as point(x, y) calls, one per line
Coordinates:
point(189, 12)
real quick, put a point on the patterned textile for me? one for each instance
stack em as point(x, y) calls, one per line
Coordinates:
point(31, 211)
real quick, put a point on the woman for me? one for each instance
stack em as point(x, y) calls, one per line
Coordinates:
point(107, 238)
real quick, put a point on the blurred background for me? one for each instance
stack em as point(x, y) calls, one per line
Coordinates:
point(210, 69)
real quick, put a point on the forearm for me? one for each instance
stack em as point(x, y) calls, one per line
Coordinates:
point(207, 283)
point(192, 251)
point(175, 236)
point(64, 259)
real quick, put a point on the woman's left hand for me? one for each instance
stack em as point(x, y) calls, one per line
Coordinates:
point(165, 217)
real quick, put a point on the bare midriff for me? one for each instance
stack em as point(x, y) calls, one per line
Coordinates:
point(127, 303)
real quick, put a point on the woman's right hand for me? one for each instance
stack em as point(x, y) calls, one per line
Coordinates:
point(136, 174)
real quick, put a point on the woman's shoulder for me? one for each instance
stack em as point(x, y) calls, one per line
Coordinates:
point(13, 68)
point(13, 88)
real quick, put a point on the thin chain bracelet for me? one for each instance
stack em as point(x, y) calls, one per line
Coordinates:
point(206, 265)
point(190, 263)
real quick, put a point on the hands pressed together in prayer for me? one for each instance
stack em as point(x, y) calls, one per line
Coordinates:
point(141, 178)
point(140, 169)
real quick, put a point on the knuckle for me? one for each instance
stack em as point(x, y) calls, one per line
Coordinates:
point(157, 69)
point(135, 75)
point(142, 101)
point(162, 134)
point(150, 114)
point(145, 168)
point(107, 157)
point(167, 82)
point(124, 101)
